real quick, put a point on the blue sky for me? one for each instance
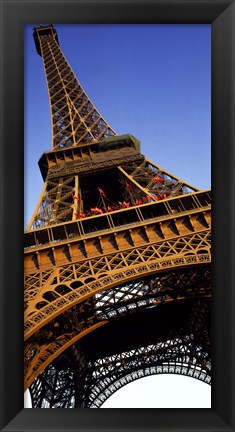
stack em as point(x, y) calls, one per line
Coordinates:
point(152, 81)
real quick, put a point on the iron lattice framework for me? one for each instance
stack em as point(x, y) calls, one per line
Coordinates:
point(117, 258)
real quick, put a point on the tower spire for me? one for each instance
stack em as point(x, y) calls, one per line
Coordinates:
point(87, 154)
point(75, 120)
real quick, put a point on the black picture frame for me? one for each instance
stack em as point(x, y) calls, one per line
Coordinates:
point(14, 15)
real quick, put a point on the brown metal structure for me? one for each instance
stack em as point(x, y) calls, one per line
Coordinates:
point(117, 258)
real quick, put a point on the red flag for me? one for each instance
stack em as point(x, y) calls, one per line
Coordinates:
point(158, 179)
point(96, 210)
point(80, 215)
point(74, 197)
point(129, 186)
point(102, 192)
point(99, 211)
point(153, 198)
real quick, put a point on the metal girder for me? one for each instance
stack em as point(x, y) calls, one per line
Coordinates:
point(74, 117)
point(60, 333)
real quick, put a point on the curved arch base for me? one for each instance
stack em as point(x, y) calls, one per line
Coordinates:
point(124, 351)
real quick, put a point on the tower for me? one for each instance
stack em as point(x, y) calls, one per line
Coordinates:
point(117, 258)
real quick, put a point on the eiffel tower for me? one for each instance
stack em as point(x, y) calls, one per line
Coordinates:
point(117, 258)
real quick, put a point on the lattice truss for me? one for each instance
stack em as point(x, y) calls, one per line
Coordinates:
point(56, 388)
point(79, 378)
point(46, 292)
point(63, 329)
point(171, 356)
point(75, 122)
point(110, 374)
point(151, 181)
point(74, 118)
point(63, 199)
point(55, 203)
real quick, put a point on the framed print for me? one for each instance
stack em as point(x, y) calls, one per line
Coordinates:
point(15, 17)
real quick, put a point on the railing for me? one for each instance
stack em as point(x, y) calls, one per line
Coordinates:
point(114, 220)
